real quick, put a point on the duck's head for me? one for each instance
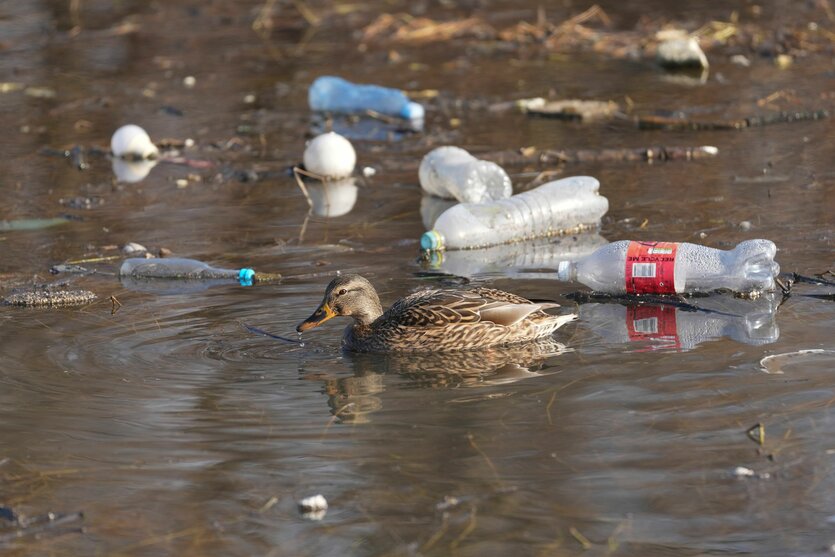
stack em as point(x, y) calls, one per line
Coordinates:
point(346, 295)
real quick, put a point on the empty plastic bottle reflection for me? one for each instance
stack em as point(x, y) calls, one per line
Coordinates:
point(533, 259)
point(179, 268)
point(560, 207)
point(672, 328)
point(453, 173)
point(334, 94)
point(629, 267)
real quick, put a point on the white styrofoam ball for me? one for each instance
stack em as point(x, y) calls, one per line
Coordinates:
point(330, 155)
point(132, 141)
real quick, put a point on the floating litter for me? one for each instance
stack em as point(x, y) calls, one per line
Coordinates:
point(776, 363)
point(330, 155)
point(131, 141)
point(48, 298)
point(314, 508)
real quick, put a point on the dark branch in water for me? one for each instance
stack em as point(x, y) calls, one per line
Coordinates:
point(665, 123)
point(562, 156)
point(262, 332)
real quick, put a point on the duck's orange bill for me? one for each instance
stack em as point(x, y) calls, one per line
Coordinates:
point(322, 314)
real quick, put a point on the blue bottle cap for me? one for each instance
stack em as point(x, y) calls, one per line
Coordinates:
point(432, 240)
point(412, 111)
point(245, 276)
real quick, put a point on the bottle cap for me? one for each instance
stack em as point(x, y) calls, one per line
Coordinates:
point(412, 111)
point(432, 240)
point(563, 271)
point(245, 276)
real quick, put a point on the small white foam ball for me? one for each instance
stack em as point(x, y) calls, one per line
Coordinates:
point(132, 141)
point(330, 155)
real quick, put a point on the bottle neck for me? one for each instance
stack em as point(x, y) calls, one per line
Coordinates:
point(567, 271)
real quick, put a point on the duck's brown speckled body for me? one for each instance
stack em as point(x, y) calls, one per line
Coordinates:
point(433, 320)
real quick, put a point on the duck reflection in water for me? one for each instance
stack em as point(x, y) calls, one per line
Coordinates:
point(353, 399)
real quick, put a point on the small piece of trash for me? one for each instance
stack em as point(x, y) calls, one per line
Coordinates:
point(740, 60)
point(132, 249)
point(369, 171)
point(189, 81)
point(314, 507)
point(775, 363)
point(448, 503)
point(743, 472)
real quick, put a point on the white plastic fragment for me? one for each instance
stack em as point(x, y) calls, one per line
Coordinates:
point(314, 507)
point(330, 155)
point(681, 51)
point(743, 472)
point(132, 248)
point(369, 171)
point(131, 141)
point(189, 81)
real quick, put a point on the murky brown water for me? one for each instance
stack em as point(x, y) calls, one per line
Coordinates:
point(178, 432)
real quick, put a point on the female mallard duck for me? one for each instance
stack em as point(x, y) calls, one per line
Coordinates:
point(433, 320)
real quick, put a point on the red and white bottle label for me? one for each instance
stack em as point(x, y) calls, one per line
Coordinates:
point(650, 267)
point(656, 323)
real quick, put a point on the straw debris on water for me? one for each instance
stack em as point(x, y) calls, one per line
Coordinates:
point(48, 298)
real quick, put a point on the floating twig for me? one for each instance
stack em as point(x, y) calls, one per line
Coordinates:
point(262, 332)
point(666, 123)
point(530, 155)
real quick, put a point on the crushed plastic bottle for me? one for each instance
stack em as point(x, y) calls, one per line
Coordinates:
point(188, 269)
point(628, 267)
point(533, 259)
point(432, 207)
point(664, 326)
point(560, 207)
point(334, 94)
point(453, 173)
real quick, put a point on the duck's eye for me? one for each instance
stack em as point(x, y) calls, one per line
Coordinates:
point(342, 292)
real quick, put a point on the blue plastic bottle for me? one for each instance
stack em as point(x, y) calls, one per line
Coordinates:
point(334, 94)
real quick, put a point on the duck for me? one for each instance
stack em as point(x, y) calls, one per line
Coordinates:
point(433, 320)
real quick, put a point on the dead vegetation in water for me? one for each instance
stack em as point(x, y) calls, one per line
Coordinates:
point(593, 30)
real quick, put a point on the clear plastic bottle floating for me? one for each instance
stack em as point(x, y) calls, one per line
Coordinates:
point(534, 259)
point(668, 327)
point(334, 94)
point(453, 173)
point(559, 207)
point(628, 267)
point(188, 269)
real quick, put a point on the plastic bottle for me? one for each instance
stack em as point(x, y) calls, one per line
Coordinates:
point(334, 94)
point(669, 327)
point(560, 207)
point(533, 259)
point(453, 173)
point(179, 268)
point(629, 267)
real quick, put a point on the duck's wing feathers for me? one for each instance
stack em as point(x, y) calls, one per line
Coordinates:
point(438, 308)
